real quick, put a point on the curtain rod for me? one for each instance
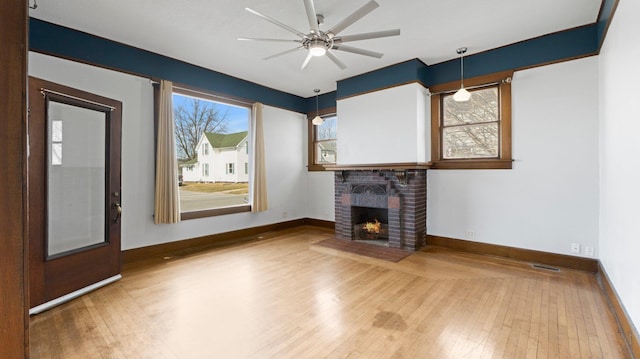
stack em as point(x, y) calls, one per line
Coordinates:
point(503, 81)
point(45, 90)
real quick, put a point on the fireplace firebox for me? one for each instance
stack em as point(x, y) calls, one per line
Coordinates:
point(382, 206)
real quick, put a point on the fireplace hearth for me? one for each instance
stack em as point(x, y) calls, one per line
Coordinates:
point(385, 207)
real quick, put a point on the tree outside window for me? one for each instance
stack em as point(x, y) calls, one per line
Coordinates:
point(475, 134)
point(211, 134)
point(323, 143)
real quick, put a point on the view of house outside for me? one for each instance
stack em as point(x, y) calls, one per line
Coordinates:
point(213, 153)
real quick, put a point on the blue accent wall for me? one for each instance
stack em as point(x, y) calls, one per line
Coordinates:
point(404, 72)
point(554, 47)
point(605, 17)
point(61, 41)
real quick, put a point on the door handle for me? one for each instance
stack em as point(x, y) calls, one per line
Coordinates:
point(118, 211)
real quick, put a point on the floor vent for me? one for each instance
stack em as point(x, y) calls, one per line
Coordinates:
point(539, 266)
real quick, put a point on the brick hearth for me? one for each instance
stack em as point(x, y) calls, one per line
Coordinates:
point(406, 203)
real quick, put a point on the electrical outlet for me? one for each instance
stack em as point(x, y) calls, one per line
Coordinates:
point(575, 248)
point(588, 251)
point(470, 234)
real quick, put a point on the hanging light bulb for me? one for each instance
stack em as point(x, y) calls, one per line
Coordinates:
point(317, 120)
point(462, 95)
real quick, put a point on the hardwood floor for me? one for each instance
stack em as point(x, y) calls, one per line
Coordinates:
point(284, 297)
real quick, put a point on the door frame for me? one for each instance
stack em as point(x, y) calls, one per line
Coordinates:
point(14, 330)
point(55, 277)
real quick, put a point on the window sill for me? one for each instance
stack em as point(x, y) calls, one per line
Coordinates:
point(214, 212)
point(475, 164)
point(319, 168)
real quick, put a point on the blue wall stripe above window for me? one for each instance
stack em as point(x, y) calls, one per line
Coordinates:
point(559, 46)
point(604, 18)
point(75, 45)
point(564, 45)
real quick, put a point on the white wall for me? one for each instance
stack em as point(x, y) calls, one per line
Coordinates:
point(620, 150)
point(386, 126)
point(550, 197)
point(286, 172)
point(320, 196)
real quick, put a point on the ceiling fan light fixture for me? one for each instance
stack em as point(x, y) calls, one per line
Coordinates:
point(317, 49)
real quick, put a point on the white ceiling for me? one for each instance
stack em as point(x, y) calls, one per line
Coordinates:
point(205, 32)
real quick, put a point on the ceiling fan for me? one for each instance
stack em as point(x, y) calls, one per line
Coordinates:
point(319, 42)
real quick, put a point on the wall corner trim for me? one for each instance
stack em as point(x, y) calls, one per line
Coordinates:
point(628, 330)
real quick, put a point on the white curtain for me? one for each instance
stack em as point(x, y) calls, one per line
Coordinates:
point(259, 183)
point(167, 197)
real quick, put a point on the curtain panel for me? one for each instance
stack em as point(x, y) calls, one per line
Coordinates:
point(259, 183)
point(167, 196)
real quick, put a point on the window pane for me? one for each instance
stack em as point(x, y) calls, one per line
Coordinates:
point(76, 187)
point(328, 130)
point(472, 141)
point(211, 140)
point(326, 152)
point(483, 107)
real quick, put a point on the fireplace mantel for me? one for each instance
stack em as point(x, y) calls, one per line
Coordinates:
point(381, 166)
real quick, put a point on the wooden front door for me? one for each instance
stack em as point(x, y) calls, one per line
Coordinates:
point(74, 191)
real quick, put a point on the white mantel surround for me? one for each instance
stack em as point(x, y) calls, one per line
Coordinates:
point(386, 126)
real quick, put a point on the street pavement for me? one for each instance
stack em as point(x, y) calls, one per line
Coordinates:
point(194, 201)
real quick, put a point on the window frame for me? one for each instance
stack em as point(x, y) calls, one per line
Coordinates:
point(311, 141)
point(211, 96)
point(504, 160)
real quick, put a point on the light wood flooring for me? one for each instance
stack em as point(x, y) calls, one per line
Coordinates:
point(284, 297)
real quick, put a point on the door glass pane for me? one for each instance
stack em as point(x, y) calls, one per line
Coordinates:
point(76, 177)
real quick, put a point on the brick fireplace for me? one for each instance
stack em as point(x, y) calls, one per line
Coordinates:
point(395, 198)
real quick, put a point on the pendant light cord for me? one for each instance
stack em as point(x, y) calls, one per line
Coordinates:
point(461, 51)
point(462, 71)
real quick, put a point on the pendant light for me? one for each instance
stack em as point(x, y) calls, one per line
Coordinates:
point(462, 95)
point(317, 120)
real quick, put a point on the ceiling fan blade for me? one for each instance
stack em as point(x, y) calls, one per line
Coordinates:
point(306, 61)
point(335, 60)
point(356, 50)
point(357, 15)
point(311, 16)
point(282, 53)
point(367, 35)
point(269, 40)
point(276, 22)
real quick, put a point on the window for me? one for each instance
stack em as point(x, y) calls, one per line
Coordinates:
point(323, 143)
point(475, 134)
point(246, 168)
point(56, 142)
point(210, 135)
